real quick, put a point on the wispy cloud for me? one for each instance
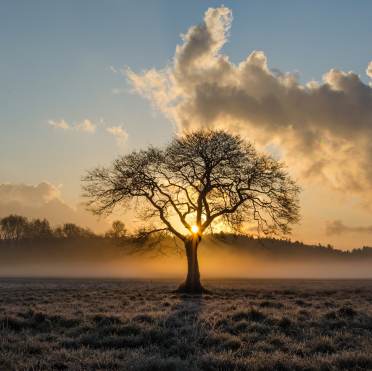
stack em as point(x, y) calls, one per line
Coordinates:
point(59, 124)
point(113, 69)
point(119, 133)
point(337, 227)
point(86, 125)
point(117, 91)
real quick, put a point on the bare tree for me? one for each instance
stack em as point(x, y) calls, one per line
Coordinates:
point(200, 179)
point(117, 231)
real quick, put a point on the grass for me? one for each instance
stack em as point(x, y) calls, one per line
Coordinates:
point(142, 325)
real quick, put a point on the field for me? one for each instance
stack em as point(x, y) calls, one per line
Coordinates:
point(142, 325)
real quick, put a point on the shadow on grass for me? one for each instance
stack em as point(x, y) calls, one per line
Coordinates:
point(185, 327)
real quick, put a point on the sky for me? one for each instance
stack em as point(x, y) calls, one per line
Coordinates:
point(82, 82)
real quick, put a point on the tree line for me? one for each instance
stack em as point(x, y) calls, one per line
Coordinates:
point(15, 228)
point(21, 231)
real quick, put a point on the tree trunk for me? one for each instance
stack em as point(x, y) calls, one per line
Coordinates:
point(192, 283)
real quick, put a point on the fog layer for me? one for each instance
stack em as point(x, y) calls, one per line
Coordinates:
point(229, 258)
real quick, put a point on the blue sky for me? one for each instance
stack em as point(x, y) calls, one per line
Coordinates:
point(56, 57)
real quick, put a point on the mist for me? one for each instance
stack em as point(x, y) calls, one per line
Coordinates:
point(232, 257)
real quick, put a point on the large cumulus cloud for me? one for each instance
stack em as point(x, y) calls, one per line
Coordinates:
point(322, 129)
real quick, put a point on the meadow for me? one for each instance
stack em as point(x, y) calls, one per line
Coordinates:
point(71, 324)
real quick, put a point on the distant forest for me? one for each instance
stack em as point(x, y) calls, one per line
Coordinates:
point(16, 228)
point(18, 234)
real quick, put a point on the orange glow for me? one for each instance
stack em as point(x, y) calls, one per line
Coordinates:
point(195, 229)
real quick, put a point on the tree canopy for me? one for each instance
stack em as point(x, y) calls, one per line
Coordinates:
point(199, 179)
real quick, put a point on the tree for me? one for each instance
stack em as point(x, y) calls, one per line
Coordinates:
point(14, 227)
point(200, 179)
point(39, 229)
point(72, 231)
point(117, 231)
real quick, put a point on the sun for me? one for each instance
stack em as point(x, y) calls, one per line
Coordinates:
point(194, 229)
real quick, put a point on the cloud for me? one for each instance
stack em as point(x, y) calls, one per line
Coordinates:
point(117, 91)
point(59, 124)
point(29, 194)
point(119, 133)
point(87, 126)
point(337, 227)
point(369, 70)
point(44, 200)
point(113, 69)
point(322, 129)
point(84, 126)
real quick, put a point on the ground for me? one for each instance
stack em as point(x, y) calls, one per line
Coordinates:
point(142, 325)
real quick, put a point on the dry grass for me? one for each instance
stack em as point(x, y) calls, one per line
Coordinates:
point(242, 325)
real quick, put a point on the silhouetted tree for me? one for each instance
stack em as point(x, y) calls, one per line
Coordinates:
point(14, 227)
point(197, 181)
point(117, 231)
point(58, 233)
point(72, 231)
point(39, 229)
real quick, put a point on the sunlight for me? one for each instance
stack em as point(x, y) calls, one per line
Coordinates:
point(195, 229)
